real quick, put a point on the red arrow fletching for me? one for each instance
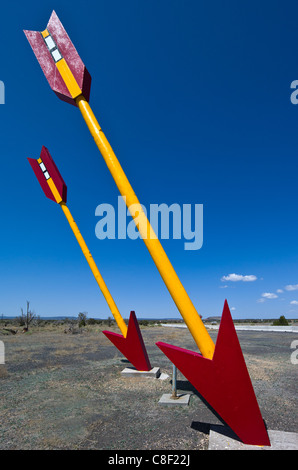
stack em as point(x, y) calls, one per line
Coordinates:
point(41, 178)
point(68, 52)
point(53, 173)
point(224, 382)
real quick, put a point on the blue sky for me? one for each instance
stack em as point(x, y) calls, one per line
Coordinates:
point(194, 98)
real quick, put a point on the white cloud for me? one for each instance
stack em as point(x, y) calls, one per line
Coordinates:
point(239, 277)
point(269, 295)
point(234, 308)
point(292, 287)
point(260, 301)
point(279, 291)
point(294, 302)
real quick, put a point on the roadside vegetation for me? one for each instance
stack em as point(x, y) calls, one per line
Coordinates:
point(29, 322)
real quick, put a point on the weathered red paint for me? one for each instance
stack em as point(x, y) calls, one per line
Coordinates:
point(132, 347)
point(224, 382)
point(68, 52)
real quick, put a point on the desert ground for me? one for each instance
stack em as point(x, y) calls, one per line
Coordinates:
point(63, 389)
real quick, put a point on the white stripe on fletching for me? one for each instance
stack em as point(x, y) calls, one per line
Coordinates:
point(56, 55)
point(50, 43)
point(44, 170)
point(53, 48)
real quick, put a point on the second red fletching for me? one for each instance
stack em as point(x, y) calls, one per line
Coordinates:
point(44, 169)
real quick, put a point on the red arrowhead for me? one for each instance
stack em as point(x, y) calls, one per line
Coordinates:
point(224, 382)
point(132, 347)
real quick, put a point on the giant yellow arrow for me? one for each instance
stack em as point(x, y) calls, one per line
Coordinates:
point(69, 78)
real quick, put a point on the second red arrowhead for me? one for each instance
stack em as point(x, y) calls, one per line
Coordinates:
point(132, 347)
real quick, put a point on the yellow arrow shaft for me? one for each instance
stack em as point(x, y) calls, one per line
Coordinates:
point(98, 277)
point(162, 262)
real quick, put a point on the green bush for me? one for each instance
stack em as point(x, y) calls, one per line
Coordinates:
point(282, 321)
point(82, 318)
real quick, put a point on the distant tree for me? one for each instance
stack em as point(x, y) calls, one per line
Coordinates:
point(82, 319)
point(282, 321)
point(26, 318)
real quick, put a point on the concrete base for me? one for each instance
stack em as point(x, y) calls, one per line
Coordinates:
point(133, 372)
point(163, 376)
point(219, 439)
point(181, 400)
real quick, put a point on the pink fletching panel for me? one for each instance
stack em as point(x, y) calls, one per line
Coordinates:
point(69, 53)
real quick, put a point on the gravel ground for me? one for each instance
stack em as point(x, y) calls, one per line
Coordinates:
point(65, 391)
